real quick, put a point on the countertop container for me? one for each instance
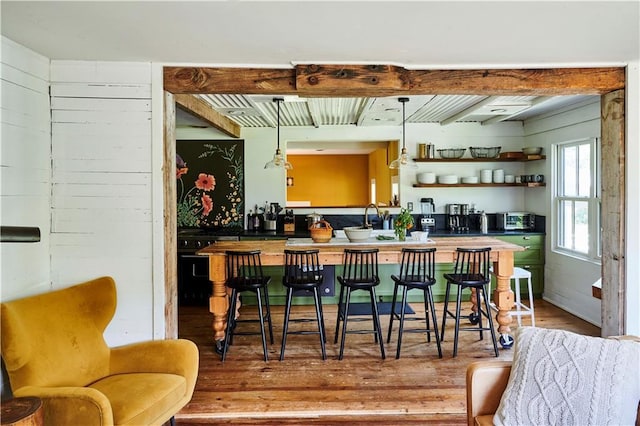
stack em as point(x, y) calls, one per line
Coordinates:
point(321, 232)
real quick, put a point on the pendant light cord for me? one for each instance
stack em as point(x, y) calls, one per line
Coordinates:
point(404, 101)
point(278, 126)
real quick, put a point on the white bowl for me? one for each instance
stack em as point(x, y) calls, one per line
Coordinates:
point(448, 179)
point(470, 179)
point(532, 150)
point(420, 236)
point(357, 233)
point(426, 177)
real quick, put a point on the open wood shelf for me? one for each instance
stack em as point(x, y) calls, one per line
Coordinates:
point(459, 185)
point(481, 160)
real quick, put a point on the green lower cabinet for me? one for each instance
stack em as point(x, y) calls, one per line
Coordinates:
point(531, 259)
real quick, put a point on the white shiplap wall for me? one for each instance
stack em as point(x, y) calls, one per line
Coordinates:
point(568, 279)
point(101, 203)
point(25, 168)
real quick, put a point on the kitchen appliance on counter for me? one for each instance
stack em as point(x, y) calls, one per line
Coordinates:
point(458, 217)
point(271, 212)
point(427, 221)
point(516, 221)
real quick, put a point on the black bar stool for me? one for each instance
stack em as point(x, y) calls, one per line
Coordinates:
point(303, 273)
point(417, 272)
point(471, 270)
point(244, 274)
point(360, 272)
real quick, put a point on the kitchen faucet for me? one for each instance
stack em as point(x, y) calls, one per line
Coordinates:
point(366, 216)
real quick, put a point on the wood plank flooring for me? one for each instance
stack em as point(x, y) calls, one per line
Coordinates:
point(418, 388)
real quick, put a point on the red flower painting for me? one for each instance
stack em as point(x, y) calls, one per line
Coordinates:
point(206, 182)
point(210, 190)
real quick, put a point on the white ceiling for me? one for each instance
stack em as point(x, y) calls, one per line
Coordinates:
point(438, 34)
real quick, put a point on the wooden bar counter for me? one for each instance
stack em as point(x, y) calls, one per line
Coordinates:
point(390, 253)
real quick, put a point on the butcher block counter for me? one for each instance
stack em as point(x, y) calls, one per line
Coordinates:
point(390, 252)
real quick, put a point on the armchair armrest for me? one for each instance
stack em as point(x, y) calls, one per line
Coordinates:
point(177, 356)
point(486, 382)
point(71, 405)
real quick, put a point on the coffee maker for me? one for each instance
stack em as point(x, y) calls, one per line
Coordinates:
point(427, 221)
point(458, 217)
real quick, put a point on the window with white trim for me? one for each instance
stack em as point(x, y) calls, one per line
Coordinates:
point(577, 199)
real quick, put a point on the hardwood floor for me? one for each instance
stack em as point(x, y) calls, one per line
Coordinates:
point(419, 388)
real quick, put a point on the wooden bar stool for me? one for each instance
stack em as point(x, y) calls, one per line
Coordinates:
point(302, 273)
point(471, 270)
point(417, 272)
point(360, 272)
point(521, 308)
point(244, 274)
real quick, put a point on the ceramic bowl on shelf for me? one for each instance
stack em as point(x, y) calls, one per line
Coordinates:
point(532, 150)
point(470, 179)
point(448, 179)
point(426, 177)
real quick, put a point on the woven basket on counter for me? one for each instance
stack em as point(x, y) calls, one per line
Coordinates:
point(321, 231)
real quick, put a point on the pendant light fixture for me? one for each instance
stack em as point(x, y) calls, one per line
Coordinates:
point(278, 161)
point(403, 160)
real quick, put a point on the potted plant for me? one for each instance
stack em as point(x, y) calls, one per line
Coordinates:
point(401, 223)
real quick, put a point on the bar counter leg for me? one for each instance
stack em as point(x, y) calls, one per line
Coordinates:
point(503, 296)
point(219, 300)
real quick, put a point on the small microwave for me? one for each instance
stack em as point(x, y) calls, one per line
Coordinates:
point(516, 221)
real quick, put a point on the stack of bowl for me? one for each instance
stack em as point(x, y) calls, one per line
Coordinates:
point(448, 179)
point(426, 177)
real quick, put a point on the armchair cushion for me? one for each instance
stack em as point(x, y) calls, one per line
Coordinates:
point(53, 348)
point(559, 377)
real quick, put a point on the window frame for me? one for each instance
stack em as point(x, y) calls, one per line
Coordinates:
point(594, 200)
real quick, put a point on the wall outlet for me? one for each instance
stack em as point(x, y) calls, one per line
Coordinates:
point(410, 206)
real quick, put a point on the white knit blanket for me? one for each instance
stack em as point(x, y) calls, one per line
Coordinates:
point(562, 378)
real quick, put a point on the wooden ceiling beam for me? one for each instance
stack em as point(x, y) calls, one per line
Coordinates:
point(201, 109)
point(197, 80)
point(514, 82)
point(351, 80)
point(387, 80)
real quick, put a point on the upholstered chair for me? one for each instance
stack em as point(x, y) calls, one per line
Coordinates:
point(53, 348)
point(558, 377)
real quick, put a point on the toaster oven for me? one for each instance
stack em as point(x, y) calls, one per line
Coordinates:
point(516, 221)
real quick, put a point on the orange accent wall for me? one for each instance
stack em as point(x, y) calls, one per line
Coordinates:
point(329, 180)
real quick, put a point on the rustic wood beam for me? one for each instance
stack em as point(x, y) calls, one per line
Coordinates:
point(229, 80)
point(351, 80)
point(170, 219)
point(613, 214)
point(512, 82)
point(387, 80)
point(201, 109)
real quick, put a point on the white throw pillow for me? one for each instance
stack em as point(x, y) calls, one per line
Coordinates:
point(563, 378)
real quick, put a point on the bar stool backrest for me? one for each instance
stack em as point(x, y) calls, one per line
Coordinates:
point(244, 268)
point(472, 265)
point(302, 266)
point(418, 265)
point(361, 266)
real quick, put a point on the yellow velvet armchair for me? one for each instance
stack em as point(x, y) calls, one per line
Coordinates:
point(53, 348)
